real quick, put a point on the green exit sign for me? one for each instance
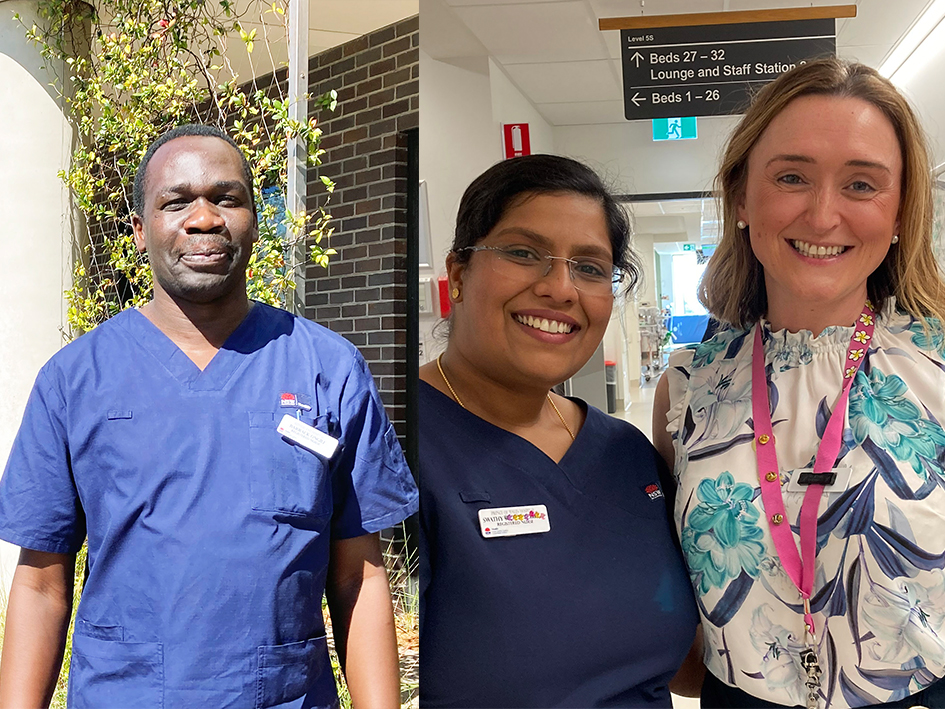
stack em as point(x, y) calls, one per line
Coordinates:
point(688, 247)
point(675, 128)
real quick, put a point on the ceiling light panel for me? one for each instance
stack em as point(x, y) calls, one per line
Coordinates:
point(910, 48)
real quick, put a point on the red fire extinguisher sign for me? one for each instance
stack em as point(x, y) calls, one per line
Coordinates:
point(515, 138)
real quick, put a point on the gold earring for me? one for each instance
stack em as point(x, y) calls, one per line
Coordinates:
point(454, 294)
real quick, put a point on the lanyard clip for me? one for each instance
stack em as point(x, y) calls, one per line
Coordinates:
point(809, 659)
point(812, 667)
point(809, 623)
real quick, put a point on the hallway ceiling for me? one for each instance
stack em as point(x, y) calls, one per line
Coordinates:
point(554, 53)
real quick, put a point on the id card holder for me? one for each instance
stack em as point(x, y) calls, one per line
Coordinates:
point(308, 436)
point(513, 521)
point(841, 479)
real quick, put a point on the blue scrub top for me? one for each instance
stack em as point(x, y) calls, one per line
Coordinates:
point(208, 532)
point(595, 612)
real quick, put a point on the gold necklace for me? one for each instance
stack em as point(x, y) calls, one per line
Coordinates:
point(439, 365)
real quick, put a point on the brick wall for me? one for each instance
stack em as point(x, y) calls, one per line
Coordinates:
point(362, 294)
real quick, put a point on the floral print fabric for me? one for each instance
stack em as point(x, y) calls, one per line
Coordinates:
point(879, 589)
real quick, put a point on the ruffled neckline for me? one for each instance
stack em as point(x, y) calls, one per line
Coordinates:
point(833, 337)
point(795, 348)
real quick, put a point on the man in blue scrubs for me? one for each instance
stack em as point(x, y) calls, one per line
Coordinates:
point(228, 463)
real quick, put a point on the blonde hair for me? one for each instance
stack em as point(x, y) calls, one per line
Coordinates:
point(733, 287)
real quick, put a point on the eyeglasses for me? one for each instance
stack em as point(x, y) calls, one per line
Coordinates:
point(527, 264)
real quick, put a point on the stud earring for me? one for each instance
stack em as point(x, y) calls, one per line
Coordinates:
point(454, 294)
point(741, 224)
point(895, 238)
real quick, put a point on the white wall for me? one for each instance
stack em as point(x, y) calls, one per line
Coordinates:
point(625, 154)
point(509, 105)
point(457, 144)
point(622, 346)
point(462, 106)
point(35, 143)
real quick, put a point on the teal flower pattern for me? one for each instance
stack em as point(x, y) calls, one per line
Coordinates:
point(879, 582)
point(880, 411)
point(722, 537)
point(930, 337)
point(789, 357)
point(706, 352)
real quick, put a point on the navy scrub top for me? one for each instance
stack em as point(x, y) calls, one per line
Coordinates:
point(208, 532)
point(597, 612)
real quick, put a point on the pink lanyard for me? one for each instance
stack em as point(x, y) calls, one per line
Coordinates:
point(800, 567)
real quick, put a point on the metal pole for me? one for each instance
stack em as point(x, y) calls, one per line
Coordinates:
point(296, 190)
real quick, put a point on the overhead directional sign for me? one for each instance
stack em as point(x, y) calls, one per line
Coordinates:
point(712, 70)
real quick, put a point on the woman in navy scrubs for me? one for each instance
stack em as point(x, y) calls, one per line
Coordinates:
point(549, 572)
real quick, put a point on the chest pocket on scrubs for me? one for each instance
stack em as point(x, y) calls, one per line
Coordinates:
point(109, 673)
point(285, 476)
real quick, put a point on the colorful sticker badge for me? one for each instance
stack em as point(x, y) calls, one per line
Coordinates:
point(513, 521)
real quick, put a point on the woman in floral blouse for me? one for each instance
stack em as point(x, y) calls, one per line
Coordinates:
point(806, 435)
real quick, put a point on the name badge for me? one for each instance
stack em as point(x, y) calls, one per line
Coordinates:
point(804, 477)
point(308, 436)
point(513, 521)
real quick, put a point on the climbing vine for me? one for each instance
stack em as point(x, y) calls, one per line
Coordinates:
point(128, 70)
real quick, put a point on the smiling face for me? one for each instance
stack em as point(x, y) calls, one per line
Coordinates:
point(539, 331)
point(822, 198)
point(198, 226)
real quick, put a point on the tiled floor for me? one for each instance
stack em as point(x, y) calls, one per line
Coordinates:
point(640, 414)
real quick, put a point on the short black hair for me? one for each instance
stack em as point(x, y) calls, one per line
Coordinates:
point(491, 194)
point(190, 129)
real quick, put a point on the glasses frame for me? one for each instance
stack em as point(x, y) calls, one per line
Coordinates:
point(616, 278)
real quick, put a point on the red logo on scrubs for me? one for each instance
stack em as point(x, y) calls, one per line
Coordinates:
point(653, 491)
point(288, 400)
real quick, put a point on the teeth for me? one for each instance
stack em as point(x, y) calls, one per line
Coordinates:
point(544, 324)
point(814, 251)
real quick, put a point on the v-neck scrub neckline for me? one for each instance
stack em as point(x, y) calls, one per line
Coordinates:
point(208, 532)
point(565, 617)
point(219, 371)
point(527, 447)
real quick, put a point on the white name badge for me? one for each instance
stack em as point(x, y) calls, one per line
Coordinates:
point(840, 484)
point(308, 436)
point(513, 521)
